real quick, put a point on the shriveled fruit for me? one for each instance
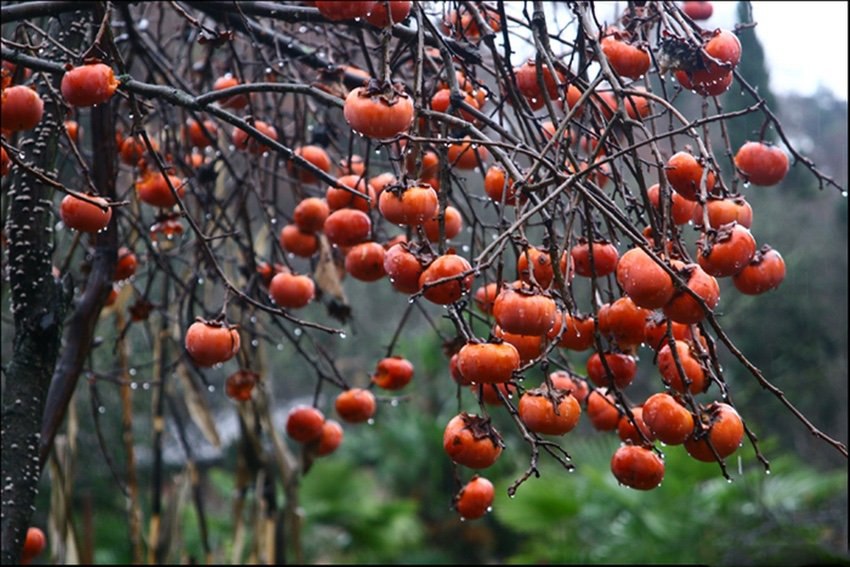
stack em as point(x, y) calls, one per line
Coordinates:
point(472, 441)
point(637, 467)
point(240, 385)
point(474, 499)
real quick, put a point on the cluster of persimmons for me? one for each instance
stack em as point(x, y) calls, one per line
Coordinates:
point(661, 295)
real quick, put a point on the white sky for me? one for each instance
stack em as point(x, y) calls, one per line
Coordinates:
point(805, 43)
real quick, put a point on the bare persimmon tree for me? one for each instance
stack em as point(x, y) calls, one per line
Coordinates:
point(219, 167)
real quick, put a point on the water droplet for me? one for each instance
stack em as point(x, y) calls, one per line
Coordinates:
point(101, 410)
point(342, 335)
point(132, 372)
point(253, 319)
point(370, 421)
point(394, 402)
point(844, 193)
point(134, 385)
point(146, 386)
point(302, 29)
point(767, 471)
point(200, 281)
point(279, 346)
point(255, 343)
point(211, 388)
point(489, 508)
point(411, 299)
point(273, 221)
point(462, 519)
point(298, 331)
point(465, 248)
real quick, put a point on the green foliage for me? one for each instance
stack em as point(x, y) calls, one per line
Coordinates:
point(694, 517)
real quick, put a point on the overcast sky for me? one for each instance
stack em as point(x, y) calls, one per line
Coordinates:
point(805, 42)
